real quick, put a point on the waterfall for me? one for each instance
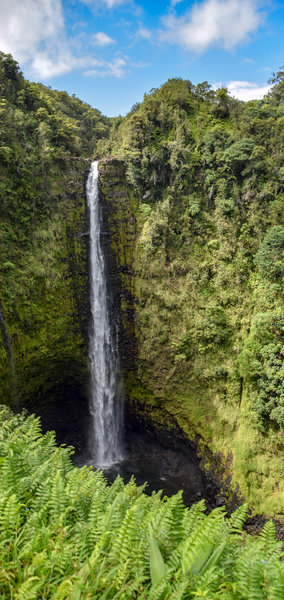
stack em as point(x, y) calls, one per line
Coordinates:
point(105, 442)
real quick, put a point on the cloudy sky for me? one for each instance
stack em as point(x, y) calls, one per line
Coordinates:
point(110, 52)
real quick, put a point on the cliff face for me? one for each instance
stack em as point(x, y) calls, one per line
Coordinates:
point(187, 314)
point(119, 236)
point(207, 274)
point(46, 313)
point(47, 138)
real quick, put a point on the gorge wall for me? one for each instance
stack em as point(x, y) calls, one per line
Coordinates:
point(187, 315)
point(46, 310)
point(204, 175)
point(47, 139)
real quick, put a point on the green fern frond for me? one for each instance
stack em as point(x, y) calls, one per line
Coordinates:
point(276, 588)
point(65, 534)
point(28, 590)
point(249, 574)
point(114, 489)
point(9, 514)
point(161, 591)
point(193, 517)
point(124, 542)
point(63, 591)
point(267, 534)
point(179, 590)
point(238, 518)
point(203, 541)
point(58, 499)
point(158, 567)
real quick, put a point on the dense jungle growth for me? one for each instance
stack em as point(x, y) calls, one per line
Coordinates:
point(208, 174)
point(192, 184)
point(47, 142)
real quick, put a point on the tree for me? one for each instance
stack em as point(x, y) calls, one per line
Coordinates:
point(270, 257)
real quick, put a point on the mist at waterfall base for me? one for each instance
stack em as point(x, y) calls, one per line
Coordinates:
point(116, 449)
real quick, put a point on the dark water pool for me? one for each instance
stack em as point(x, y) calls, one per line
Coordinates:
point(163, 466)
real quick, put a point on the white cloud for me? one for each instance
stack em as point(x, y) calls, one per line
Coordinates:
point(143, 33)
point(248, 60)
point(46, 66)
point(26, 24)
point(115, 68)
point(102, 39)
point(140, 64)
point(93, 4)
point(33, 31)
point(222, 22)
point(245, 90)
point(112, 3)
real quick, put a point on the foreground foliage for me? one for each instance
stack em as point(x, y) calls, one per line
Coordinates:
point(66, 533)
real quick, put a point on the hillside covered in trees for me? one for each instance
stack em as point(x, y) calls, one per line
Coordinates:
point(47, 142)
point(192, 182)
point(207, 171)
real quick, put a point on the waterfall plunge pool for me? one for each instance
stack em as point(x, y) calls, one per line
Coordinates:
point(163, 466)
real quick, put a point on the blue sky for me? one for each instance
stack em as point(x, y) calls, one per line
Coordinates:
point(110, 52)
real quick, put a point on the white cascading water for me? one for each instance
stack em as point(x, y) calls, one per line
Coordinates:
point(105, 442)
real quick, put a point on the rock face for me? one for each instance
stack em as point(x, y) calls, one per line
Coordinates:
point(47, 326)
point(180, 343)
point(47, 139)
point(119, 235)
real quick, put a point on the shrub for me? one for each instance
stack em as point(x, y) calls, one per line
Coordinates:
point(270, 257)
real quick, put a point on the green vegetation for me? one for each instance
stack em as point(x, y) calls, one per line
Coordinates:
point(47, 140)
point(207, 174)
point(194, 206)
point(66, 534)
point(270, 256)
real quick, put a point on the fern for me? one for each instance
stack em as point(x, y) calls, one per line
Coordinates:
point(158, 568)
point(202, 542)
point(160, 591)
point(58, 499)
point(28, 590)
point(276, 590)
point(267, 542)
point(9, 515)
point(237, 519)
point(65, 534)
point(126, 536)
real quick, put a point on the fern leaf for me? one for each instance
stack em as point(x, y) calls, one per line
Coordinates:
point(158, 568)
point(276, 588)
point(28, 590)
point(237, 519)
